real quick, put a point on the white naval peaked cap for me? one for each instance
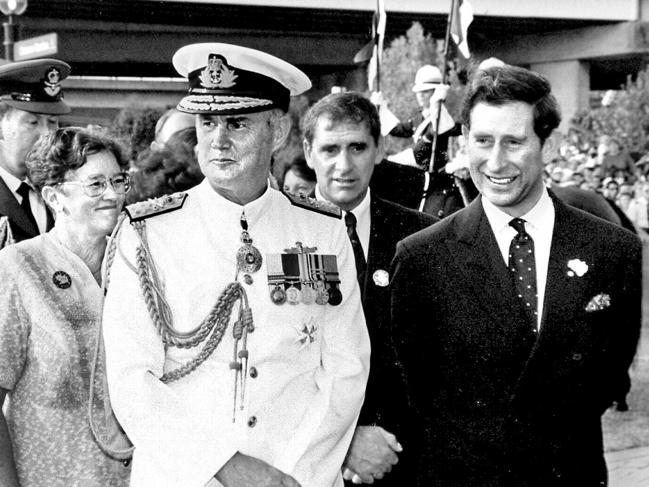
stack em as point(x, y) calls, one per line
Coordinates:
point(427, 78)
point(225, 79)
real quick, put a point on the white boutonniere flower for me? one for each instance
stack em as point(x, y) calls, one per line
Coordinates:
point(577, 267)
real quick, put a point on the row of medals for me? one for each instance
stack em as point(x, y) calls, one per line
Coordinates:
point(249, 261)
point(306, 295)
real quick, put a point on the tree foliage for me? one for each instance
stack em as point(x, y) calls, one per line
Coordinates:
point(399, 64)
point(624, 116)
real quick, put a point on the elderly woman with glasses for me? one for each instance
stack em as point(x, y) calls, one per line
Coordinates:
point(50, 308)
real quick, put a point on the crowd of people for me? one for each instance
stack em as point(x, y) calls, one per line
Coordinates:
point(183, 319)
point(607, 168)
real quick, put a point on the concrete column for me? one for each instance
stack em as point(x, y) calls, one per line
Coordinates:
point(570, 84)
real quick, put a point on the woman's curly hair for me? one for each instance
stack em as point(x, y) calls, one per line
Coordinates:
point(67, 149)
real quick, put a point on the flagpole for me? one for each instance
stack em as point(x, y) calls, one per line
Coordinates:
point(447, 40)
point(377, 44)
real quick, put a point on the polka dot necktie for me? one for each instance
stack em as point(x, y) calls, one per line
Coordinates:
point(523, 269)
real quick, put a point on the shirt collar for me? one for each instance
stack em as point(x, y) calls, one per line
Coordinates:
point(12, 182)
point(540, 216)
point(361, 209)
point(218, 205)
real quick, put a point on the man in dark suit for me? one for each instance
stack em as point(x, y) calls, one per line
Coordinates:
point(342, 144)
point(30, 105)
point(518, 315)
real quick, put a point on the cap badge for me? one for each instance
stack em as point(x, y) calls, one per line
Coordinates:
point(217, 73)
point(52, 82)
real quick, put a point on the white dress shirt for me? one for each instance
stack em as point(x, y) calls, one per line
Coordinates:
point(35, 201)
point(363, 219)
point(539, 223)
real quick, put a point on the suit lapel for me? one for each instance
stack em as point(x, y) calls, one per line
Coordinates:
point(480, 260)
point(10, 207)
point(381, 244)
point(560, 288)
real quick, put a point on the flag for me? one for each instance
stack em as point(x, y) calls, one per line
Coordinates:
point(373, 69)
point(462, 16)
point(373, 50)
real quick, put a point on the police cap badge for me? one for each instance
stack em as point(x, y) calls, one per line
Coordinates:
point(34, 86)
point(225, 79)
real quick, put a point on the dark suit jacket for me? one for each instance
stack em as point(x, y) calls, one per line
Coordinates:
point(398, 183)
point(21, 227)
point(498, 405)
point(385, 398)
point(588, 201)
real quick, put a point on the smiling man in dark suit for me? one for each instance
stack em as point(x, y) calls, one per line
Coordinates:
point(31, 101)
point(519, 316)
point(342, 143)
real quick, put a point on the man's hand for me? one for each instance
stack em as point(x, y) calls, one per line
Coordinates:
point(245, 471)
point(371, 455)
point(440, 93)
point(376, 97)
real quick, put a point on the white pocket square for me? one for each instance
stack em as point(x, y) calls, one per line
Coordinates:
point(599, 302)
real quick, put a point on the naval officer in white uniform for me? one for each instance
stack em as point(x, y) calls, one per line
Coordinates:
point(236, 346)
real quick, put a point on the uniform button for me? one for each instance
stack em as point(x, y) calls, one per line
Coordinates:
point(440, 213)
point(444, 192)
point(479, 403)
point(252, 421)
point(576, 356)
point(247, 278)
point(253, 372)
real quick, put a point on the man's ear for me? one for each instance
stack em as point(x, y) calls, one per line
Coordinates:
point(282, 127)
point(380, 153)
point(551, 146)
point(306, 148)
point(465, 131)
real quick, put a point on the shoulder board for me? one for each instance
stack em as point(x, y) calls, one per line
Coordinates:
point(155, 206)
point(319, 206)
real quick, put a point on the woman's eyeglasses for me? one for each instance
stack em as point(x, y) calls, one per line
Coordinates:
point(120, 183)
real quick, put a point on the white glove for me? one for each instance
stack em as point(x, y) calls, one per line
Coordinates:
point(377, 98)
point(438, 95)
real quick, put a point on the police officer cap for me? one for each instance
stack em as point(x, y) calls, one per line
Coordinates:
point(34, 85)
point(428, 77)
point(225, 79)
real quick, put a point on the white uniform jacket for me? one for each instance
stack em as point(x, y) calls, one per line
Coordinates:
point(303, 398)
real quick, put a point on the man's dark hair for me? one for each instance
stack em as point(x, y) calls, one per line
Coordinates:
point(343, 107)
point(508, 84)
point(300, 167)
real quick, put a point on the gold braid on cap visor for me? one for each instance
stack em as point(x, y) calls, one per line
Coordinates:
point(208, 103)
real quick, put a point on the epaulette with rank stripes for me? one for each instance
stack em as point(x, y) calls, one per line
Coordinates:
point(155, 206)
point(319, 206)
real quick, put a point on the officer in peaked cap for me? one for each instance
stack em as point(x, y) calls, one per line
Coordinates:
point(270, 394)
point(31, 101)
